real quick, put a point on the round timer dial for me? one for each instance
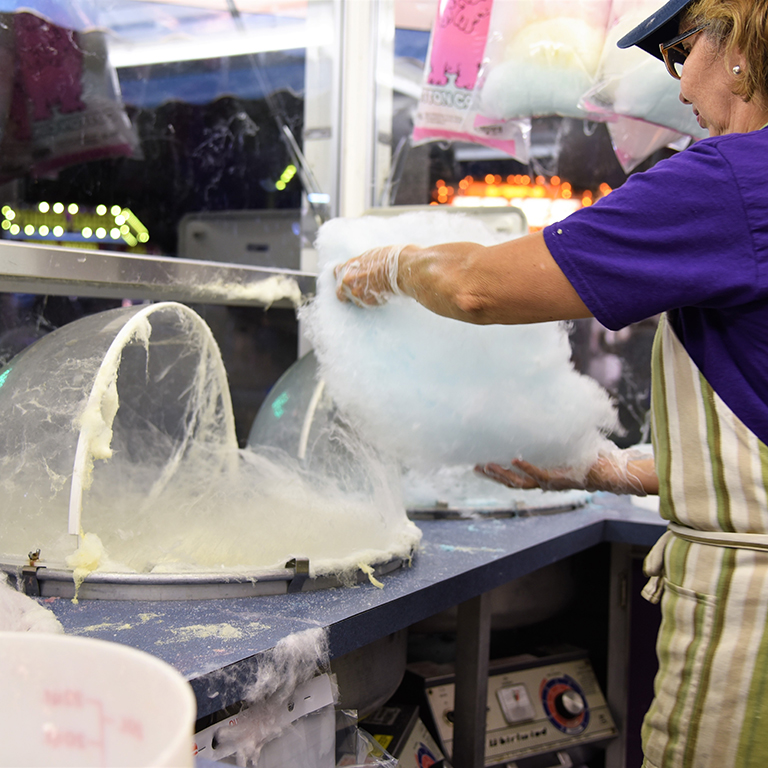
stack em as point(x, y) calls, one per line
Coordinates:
point(565, 704)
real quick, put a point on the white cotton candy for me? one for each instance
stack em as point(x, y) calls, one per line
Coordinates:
point(294, 661)
point(431, 391)
point(19, 613)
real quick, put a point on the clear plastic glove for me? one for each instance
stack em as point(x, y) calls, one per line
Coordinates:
point(617, 471)
point(371, 278)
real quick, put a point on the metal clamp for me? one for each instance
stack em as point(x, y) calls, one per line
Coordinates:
point(30, 584)
point(300, 567)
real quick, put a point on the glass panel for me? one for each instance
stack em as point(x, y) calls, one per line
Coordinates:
point(167, 129)
point(178, 108)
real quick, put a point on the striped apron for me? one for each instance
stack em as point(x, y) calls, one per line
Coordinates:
point(710, 570)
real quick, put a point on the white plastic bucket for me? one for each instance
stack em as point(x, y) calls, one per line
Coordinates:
point(75, 701)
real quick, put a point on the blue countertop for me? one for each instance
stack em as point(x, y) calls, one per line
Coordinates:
point(216, 644)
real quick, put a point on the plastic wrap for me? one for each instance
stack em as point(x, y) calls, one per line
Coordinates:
point(635, 140)
point(541, 57)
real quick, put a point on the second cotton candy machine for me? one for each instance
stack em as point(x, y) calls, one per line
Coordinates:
point(300, 418)
point(122, 477)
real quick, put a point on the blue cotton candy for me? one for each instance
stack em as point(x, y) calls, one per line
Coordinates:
point(431, 391)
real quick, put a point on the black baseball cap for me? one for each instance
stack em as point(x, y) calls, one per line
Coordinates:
point(657, 28)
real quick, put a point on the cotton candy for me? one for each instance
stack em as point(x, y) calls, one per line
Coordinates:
point(547, 67)
point(431, 391)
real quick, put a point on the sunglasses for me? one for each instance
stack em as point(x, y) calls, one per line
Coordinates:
point(674, 54)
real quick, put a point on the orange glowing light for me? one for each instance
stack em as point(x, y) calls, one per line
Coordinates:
point(540, 181)
point(566, 193)
point(555, 181)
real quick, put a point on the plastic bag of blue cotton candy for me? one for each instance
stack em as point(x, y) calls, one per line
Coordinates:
point(432, 391)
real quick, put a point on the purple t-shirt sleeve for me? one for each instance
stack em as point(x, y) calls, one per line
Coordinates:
point(674, 236)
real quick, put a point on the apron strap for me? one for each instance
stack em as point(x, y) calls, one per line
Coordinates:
point(653, 565)
point(758, 541)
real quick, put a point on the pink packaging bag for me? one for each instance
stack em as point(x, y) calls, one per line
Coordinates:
point(458, 43)
point(65, 106)
point(455, 57)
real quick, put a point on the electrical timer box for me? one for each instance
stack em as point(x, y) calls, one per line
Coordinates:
point(536, 705)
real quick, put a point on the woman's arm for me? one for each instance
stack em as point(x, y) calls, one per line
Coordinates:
point(514, 282)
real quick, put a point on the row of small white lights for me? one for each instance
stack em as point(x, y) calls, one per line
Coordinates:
point(115, 232)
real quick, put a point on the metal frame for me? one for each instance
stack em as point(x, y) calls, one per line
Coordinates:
point(41, 581)
point(54, 270)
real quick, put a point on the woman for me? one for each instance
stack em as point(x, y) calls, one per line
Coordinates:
point(688, 238)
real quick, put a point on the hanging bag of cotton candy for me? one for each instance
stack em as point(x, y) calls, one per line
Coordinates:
point(431, 391)
point(6, 69)
point(632, 84)
point(542, 55)
point(447, 103)
point(66, 106)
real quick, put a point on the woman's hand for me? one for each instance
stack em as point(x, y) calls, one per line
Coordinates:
point(623, 472)
point(369, 279)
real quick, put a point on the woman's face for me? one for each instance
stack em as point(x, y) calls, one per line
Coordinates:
point(707, 84)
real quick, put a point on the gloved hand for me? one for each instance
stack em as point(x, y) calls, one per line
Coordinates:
point(628, 471)
point(371, 278)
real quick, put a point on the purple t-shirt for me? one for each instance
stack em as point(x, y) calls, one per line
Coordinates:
point(689, 236)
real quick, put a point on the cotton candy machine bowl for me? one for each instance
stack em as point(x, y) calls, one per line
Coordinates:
point(122, 477)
